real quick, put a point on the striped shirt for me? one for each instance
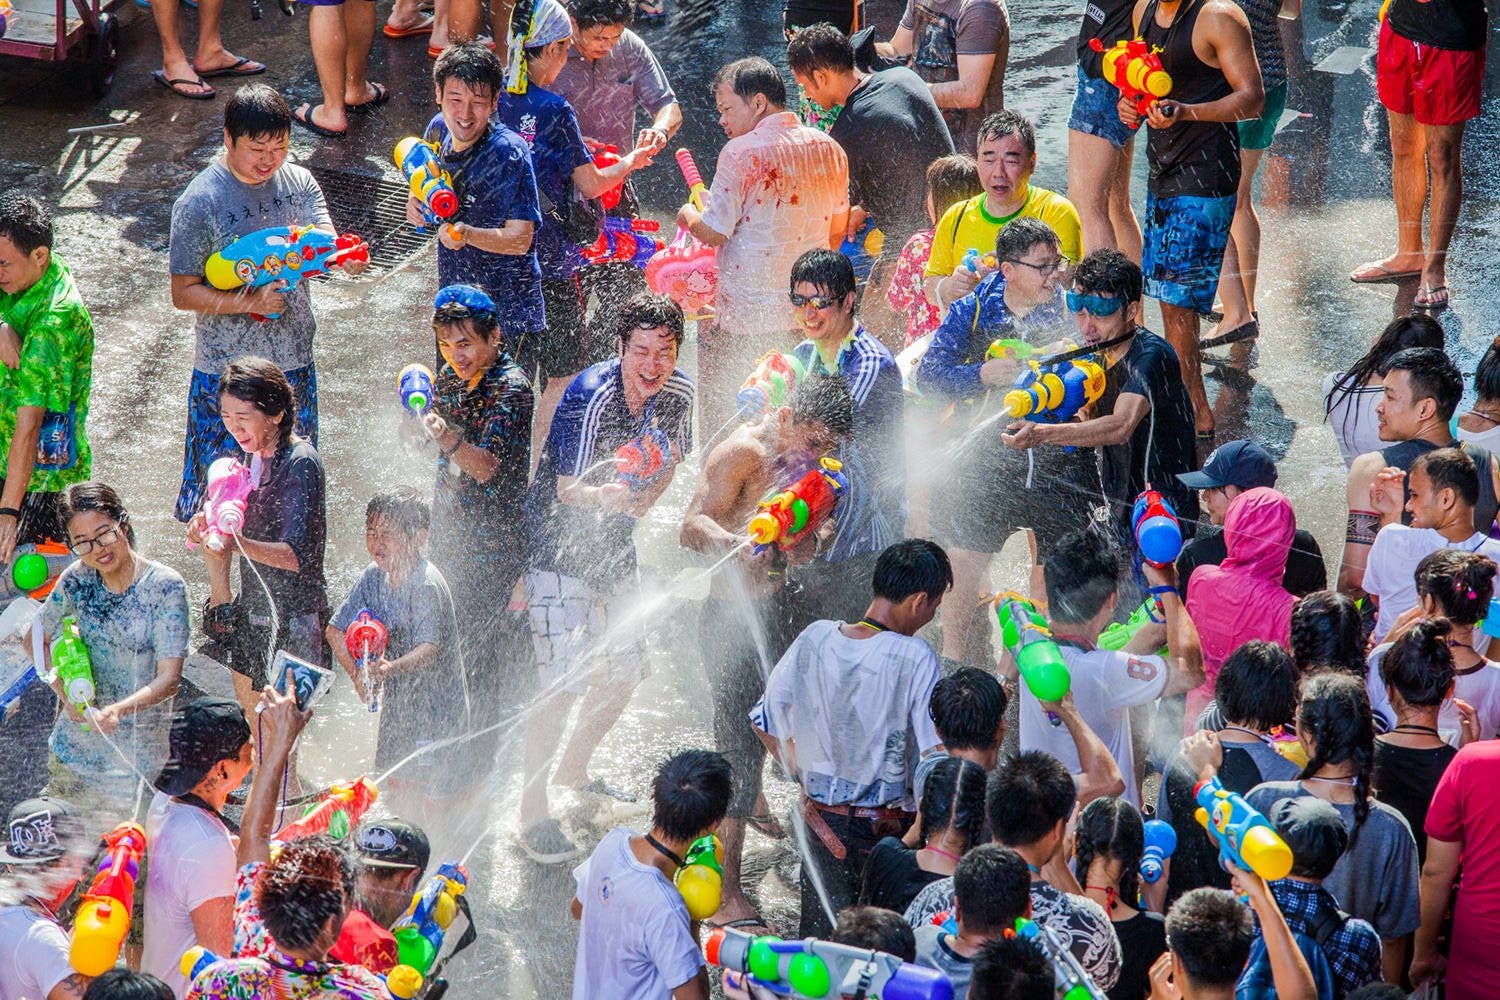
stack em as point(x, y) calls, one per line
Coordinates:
point(872, 514)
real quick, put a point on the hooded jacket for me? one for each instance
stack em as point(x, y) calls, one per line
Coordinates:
point(1242, 598)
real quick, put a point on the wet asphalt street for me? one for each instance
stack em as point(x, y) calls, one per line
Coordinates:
point(1325, 206)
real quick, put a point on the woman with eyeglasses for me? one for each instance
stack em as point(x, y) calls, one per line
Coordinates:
point(132, 614)
point(282, 601)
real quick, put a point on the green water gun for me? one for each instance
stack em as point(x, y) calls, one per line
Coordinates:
point(72, 667)
point(1029, 642)
point(1010, 347)
point(1118, 635)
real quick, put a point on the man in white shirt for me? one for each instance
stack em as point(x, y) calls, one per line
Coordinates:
point(1082, 573)
point(1443, 487)
point(846, 713)
point(190, 874)
point(779, 189)
point(45, 856)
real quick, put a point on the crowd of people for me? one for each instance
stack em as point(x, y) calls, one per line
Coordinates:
point(949, 810)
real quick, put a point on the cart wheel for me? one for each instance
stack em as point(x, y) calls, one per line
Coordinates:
point(103, 54)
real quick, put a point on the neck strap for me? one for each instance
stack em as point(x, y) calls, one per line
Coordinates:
point(665, 851)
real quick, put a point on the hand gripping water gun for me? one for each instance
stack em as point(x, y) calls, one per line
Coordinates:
point(72, 666)
point(770, 385)
point(1054, 393)
point(1029, 642)
point(623, 242)
point(104, 915)
point(1008, 347)
point(401, 983)
point(419, 932)
point(1244, 836)
point(338, 813)
point(790, 515)
point(862, 249)
point(281, 253)
point(605, 157)
point(229, 488)
point(429, 181)
point(700, 879)
point(641, 461)
point(1161, 841)
point(1134, 69)
point(817, 969)
point(366, 639)
point(1157, 533)
point(687, 270)
point(1117, 636)
point(415, 386)
point(1072, 981)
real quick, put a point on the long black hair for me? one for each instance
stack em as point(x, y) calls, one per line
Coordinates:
point(1419, 665)
point(1415, 330)
point(1335, 715)
point(1327, 632)
point(1112, 828)
point(953, 798)
point(1461, 583)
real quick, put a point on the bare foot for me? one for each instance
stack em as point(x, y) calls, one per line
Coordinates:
point(735, 906)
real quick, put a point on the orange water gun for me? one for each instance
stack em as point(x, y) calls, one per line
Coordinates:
point(104, 916)
point(337, 814)
point(1134, 69)
point(787, 517)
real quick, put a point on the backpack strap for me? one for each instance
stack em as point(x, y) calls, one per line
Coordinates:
point(1326, 924)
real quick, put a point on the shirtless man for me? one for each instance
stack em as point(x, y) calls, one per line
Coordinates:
point(745, 618)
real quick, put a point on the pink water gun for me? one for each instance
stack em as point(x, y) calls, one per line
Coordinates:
point(229, 486)
point(687, 269)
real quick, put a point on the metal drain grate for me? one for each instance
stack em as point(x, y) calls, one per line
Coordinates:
point(375, 208)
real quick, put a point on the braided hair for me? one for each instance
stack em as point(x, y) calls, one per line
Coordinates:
point(953, 798)
point(1334, 715)
point(1112, 828)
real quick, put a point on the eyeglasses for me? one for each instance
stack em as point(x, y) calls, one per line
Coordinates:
point(816, 301)
point(104, 539)
point(1094, 305)
point(1046, 270)
point(472, 300)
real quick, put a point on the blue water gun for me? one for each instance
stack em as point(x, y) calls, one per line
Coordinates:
point(1054, 393)
point(429, 182)
point(624, 241)
point(815, 969)
point(1245, 837)
point(419, 932)
point(1161, 841)
point(416, 390)
point(863, 248)
point(281, 253)
point(973, 258)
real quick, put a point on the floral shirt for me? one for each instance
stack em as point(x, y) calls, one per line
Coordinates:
point(362, 941)
point(906, 293)
point(55, 375)
point(278, 976)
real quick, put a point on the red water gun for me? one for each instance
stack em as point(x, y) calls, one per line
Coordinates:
point(641, 460)
point(366, 639)
point(790, 515)
point(104, 916)
point(337, 814)
point(605, 157)
point(623, 242)
point(1134, 69)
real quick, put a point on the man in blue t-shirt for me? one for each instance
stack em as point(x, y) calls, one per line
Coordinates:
point(565, 171)
point(488, 242)
point(580, 514)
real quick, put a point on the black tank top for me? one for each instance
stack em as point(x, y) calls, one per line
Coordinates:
point(1108, 21)
point(1190, 158)
point(1400, 456)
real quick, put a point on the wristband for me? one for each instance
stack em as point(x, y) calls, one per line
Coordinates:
point(1165, 588)
point(11, 511)
point(457, 445)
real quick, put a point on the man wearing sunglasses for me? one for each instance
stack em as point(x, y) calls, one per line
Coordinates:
point(1143, 424)
point(989, 492)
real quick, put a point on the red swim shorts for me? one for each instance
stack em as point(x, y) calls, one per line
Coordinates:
point(1438, 86)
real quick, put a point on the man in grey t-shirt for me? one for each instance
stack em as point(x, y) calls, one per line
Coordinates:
point(250, 188)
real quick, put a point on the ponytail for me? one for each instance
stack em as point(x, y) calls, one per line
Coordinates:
point(1112, 828)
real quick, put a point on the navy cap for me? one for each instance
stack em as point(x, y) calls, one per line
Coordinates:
point(1314, 830)
point(1238, 463)
point(41, 830)
point(203, 733)
point(392, 843)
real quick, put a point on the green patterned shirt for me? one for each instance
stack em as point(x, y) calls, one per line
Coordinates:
point(56, 373)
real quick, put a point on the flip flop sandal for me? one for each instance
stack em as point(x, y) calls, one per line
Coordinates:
point(240, 67)
point(423, 27)
point(160, 77)
point(303, 116)
point(381, 96)
point(1436, 298)
point(1245, 331)
point(742, 924)
point(1382, 274)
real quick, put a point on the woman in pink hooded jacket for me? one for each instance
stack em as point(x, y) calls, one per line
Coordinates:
point(1242, 598)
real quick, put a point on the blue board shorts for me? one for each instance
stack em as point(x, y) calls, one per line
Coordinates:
point(1096, 111)
point(1185, 238)
point(207, 438)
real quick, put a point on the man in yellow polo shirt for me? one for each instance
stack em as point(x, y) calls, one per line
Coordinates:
point(1007, 157)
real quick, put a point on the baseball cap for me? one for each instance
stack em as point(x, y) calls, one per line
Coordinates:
point(41, 830)
point(1315, 832)
point(204, 732)
point(392, 843)
point(1237, 463)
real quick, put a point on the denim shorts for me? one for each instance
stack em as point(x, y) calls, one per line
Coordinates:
point(1096, 111)
point(1185, 238)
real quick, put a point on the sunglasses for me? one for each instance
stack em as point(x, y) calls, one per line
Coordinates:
point(1094, 305)
point(466, 297)
point(816, 301)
